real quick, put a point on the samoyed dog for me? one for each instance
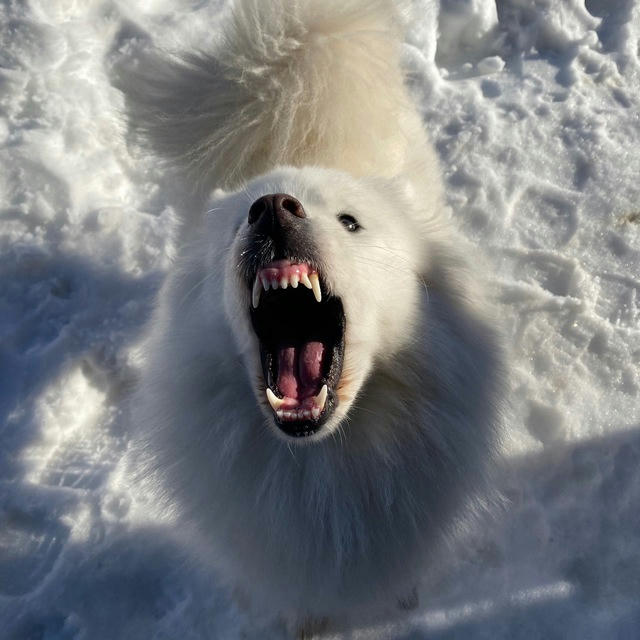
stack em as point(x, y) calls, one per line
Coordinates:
point(321, 393)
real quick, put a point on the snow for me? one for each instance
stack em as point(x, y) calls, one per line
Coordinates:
point(534, 109)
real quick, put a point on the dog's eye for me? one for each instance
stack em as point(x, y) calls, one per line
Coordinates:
point(349, 222)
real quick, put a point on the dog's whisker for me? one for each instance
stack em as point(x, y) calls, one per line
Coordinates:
point(293, 455)
point(394, 254)
point(196, 286)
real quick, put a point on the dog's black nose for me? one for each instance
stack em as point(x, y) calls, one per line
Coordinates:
point(274, 209)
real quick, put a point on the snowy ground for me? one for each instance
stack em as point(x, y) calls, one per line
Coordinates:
point(534, 108)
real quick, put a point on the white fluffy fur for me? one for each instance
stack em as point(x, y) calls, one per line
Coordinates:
point(307, 98)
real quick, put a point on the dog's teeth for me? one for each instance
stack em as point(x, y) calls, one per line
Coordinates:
point(320, 399)
point(315, 285)
point(304, 278)
point(294, 280)
point(280, 414)
point(255, 294)
point(284, 282)
point(274, 284)
point(315, 412)
point(274, 401)
point(265, 283)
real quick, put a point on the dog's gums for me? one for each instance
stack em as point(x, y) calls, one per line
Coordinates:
point(301, 337)
point(281, 274)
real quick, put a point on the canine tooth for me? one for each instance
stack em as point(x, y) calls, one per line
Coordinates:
point(294, 280)
point(255, 294)
point(274, 401)
point(283, 282)
point(315, 285)
point(321, 398)
point(315, 412)
point(304, 278)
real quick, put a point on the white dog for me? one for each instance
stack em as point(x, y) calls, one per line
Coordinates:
point(322, 388)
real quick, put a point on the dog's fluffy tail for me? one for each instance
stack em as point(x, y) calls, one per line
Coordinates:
point(296, 82)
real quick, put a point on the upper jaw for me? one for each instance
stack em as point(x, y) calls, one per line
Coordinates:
point(300, 328)
point(280, 274)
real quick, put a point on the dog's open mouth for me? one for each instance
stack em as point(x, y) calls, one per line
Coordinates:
point(300, 328)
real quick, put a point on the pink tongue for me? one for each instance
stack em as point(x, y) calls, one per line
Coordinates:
point(300, 370)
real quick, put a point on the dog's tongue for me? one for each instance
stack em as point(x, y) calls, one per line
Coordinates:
point(300, 369)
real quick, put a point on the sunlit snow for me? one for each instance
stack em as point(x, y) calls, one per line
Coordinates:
point(534, 108)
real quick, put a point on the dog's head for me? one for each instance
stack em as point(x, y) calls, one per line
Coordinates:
point(321, 284)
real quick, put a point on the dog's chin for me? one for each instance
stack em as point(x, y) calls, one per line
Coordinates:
point(308, 435)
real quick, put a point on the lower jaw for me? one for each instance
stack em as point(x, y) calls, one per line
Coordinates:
point(300, 431)
point(313, 410)
point(303, 429)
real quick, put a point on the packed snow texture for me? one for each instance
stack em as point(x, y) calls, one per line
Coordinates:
point(533, 106)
